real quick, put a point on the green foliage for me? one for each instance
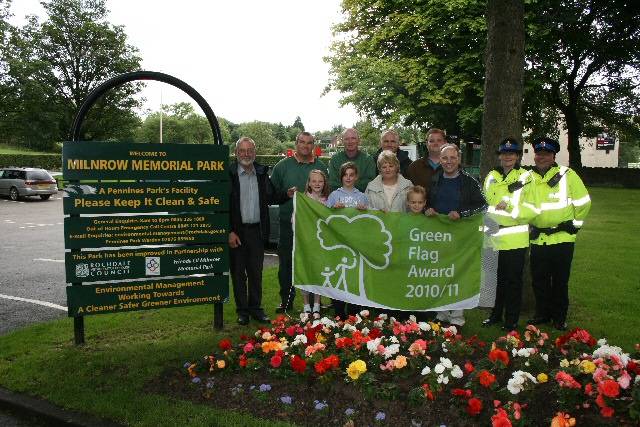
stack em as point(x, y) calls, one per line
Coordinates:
point(48, 68)
point(180, 124)
point(412, 62)
point(44, 161)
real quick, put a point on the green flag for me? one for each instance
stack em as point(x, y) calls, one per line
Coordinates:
point(387, 260)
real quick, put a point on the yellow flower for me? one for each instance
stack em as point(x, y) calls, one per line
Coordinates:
point(400, 362)
point(320, 337)
point(542, 377)
point(434, 326)
point(587, 367)
point(575, 362)
point(564, 363)
point(356, 369)
point(220, 364)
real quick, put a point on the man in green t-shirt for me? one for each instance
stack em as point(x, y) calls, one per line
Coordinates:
point(351, 153)
point(290, 175)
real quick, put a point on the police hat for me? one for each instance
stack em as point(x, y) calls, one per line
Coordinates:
point(546, 144)
point(509, 145)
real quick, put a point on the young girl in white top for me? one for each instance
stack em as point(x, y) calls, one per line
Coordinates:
point(318, 189)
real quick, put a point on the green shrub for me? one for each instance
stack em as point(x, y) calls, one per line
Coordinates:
point(44, 161)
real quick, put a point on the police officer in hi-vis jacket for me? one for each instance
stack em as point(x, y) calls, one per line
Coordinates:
point(562, 204)
point(510, 196)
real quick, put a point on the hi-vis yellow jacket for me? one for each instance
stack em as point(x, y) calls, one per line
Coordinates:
point(568, 200)
point(513, 221)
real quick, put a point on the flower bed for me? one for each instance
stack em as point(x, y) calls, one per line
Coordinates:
point(379, 371)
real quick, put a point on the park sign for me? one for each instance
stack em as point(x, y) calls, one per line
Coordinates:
point(119, 160)
point(393, 261)
point(145, 211)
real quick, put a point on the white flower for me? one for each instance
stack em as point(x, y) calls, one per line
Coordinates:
point(378, 323)
point(336, 335)
point(545, 357)
point(383, 316)
point(412, 318)
point(358, 319)
point(602, 341)
point(444, 347)
point(439, 368)
point(266, 336)
point(364, 313)
point(424, 326)
point(328, 322)
point(606, 351)
point(348, 327)
point(372, 345)
point(637, 380)
point(446, 362)
point(365, 331)
point(443, 379)
point(299, 339)
point(456, 372)
point(393, 339)
point(304, 317)
point(389, 351)
point(426, 370)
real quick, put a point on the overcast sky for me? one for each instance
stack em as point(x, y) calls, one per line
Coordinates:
point(250, 59)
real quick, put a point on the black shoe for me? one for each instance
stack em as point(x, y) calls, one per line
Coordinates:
point(538, 320)
point(490, 321)
point(560, 326)
point(243, 319)
point(510, 327)
point(261, 318)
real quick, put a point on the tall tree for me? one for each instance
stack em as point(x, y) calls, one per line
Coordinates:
point(504, 71)
point(584, 59)
point(55, 64)
point(411, 62)
point(180, 124)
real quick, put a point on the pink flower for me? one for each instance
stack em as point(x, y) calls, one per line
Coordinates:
point(600, 374)
point(248, 347)
point(624, 380)
point(566, 380)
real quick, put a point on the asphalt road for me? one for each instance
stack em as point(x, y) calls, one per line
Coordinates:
point(32, 262)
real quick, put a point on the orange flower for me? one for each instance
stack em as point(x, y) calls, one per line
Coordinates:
point(268, 346)
point(563, 420)
point(400, 362)
point(497, 354)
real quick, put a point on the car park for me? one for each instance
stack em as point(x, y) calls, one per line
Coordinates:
point(17, 182)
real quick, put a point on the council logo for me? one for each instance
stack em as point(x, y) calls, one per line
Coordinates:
point(82, 270)
point(152, 266)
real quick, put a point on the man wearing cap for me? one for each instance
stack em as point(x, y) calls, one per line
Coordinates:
point(290, 175)
point(510, 197)
point(562, 204)
point(390, 140)
point(422, 170)
point(351, 153)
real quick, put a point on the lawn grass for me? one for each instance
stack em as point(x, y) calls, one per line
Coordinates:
point(107, 376)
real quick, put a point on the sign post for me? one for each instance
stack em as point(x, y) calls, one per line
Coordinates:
point(147, 224)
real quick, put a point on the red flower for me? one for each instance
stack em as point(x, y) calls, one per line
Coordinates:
point(375, 333)
point(462, 392)
point(344, 342)
point(474, 406)
point(497, 354)
point(298, 364)
point(321, 367)
point(588, 389)
point(486, 378)
point(242, 361)
point(333, 361)
point(500, 419)
point(566, 380)
point(276, 361)
point(609, 388)
point(225, 344)
point(607, 412)
point(468, 367)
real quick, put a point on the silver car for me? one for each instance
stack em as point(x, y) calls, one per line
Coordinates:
point(21, 182)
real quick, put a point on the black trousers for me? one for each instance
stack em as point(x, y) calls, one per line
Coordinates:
point(550, 269)
point(509, 286)
point(246, 271)
point(285, 246)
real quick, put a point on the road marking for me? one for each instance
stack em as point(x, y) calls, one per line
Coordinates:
point(48, 260)
point(35, 301)
point(268, 254)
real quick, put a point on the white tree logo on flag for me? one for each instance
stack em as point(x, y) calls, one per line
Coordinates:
point(374, 251)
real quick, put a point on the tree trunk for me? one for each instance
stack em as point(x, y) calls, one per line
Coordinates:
point(574, 129)
point(504, 73)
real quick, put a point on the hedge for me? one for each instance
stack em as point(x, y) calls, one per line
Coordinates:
point(44, 161)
